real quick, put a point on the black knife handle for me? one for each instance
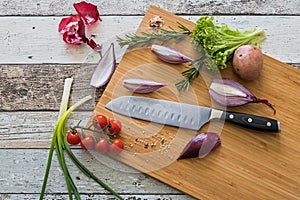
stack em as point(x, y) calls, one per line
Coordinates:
point(252, 121)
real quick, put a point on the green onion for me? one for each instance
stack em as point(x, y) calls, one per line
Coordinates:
point(60, 144)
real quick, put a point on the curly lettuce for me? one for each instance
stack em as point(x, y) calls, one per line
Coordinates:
point(220, 42)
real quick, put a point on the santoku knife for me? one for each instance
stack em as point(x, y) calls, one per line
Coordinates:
point(185, 115)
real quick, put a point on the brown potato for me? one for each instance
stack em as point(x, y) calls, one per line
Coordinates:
point(248, 62)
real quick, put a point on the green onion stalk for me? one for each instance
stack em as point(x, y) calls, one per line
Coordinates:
point(60, 144)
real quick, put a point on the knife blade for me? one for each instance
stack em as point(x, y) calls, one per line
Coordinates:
point(185, 115)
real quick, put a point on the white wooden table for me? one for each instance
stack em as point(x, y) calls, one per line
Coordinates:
point(34, 61)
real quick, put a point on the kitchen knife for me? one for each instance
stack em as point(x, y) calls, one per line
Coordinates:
point(185, 115)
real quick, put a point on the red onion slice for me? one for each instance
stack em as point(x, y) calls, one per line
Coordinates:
point(141, 85)
point(169, 55)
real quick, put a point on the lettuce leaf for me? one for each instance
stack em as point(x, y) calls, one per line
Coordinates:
point(220, 42)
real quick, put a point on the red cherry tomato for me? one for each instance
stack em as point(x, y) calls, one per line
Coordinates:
point(117, 146)
point(102, 146)
point(115, 126)
point(100, 121)
point(73, 137)
point(88, 142)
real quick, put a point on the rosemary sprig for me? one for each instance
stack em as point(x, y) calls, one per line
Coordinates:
point(163, 36)
point(145, 39)
point(197, 65)
point(189, 76)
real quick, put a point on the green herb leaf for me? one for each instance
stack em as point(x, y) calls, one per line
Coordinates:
point(198, 64)
point(146, 39)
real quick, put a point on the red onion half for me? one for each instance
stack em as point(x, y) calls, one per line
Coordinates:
point(228, 92)
point(201, 145)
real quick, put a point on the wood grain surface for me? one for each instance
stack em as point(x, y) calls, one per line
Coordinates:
point(17, 34)
point(34, 62)
point(248, 165)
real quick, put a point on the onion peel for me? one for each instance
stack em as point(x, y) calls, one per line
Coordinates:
point(73, 27)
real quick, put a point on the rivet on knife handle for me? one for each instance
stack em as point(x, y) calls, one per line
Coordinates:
point(252, 121)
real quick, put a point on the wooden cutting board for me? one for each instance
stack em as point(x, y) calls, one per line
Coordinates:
point(248, 165)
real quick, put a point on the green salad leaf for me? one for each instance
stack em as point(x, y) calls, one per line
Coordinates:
point(220, 42)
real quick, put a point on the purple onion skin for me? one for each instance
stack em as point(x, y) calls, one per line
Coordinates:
point(201, 145)
point(229, 100)
point(142, 86)
point(169, 55)
point(106, 64)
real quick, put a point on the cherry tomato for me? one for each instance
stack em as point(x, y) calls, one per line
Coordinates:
point(73, 137)
point(100, 121)
point(115, 126)
point(88, 142)
point(102, 146)
point(117, 146)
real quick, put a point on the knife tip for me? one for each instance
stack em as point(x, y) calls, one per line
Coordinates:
point(108, 105)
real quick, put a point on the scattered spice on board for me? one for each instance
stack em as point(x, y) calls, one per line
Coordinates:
point(156, 22)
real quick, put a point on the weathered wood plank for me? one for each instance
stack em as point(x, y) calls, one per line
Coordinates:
point(32, 129)
point(297, 65)
point(35, 40)
point(119, 7)
point(39, 87)
point(96, 196)
point(27, 180)
point(32, 86)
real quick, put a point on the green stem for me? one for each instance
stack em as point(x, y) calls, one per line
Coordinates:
point(100, 131)
point(87, 172)
point(62, 166)
point(61, 157)
point(62, 110)
point(61, 144)
point(84, 170)
point(50, 155)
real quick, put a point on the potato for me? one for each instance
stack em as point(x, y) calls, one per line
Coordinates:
point(248, 62)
